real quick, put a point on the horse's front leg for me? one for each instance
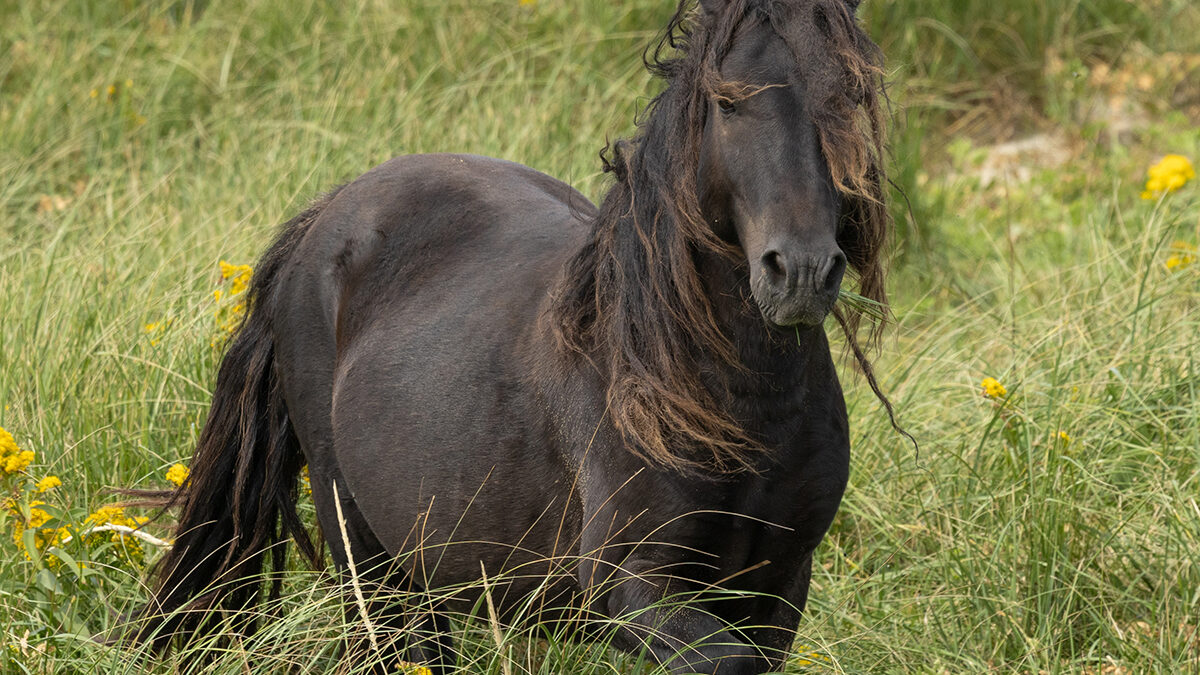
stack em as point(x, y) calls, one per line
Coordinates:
point(663, 613)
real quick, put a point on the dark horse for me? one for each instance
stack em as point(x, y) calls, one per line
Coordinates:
point(630, 411)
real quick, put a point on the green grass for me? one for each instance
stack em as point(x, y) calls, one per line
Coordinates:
point(998, 547)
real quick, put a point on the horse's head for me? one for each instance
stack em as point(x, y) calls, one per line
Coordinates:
point(767, 142)
point(764, 182)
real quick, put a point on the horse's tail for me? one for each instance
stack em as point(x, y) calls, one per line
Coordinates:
point(238, 507)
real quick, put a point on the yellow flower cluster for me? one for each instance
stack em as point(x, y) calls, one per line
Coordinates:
point(178, 474)
point(44, 538)
point(156, 330)
point(12, 459)
point(1171, 173)
point(406, 668)
point(115, 515)
point(992, 388)
point(231, 303)
point(1182, 255)
point(240, 274)
point(38, 527)
point(15, 460)
point(807, 655)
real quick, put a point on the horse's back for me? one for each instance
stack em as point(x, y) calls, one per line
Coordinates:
point(416, 296)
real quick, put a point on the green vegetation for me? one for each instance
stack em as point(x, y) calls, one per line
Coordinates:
point(1053, 527)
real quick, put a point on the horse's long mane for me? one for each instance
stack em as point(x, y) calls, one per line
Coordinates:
point(632, 299)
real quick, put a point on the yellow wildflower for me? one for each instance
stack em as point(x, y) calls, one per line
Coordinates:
point(17, 463)
point(95, 93)
point(406, 668)
point(106, 515)
point(115, 515)
point(1064, 437)
point(1184, 254)
point(12, 458)
point(47, 483)
point(56, 536)
point(156, 330)
point(37, 518)
point(1168, 175)
point(307, 480)
point(8, 444)
point(240, 274)
point(178, 474)
point(229, 317)
point(809, 656)
point(992, 388)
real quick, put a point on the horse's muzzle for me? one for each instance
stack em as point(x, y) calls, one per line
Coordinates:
point(798, 288)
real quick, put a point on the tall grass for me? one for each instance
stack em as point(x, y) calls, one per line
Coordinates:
point(1001, 546)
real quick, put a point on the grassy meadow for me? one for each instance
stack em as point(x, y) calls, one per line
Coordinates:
point(1050, 521)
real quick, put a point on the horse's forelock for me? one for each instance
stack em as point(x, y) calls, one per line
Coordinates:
point(843, 74)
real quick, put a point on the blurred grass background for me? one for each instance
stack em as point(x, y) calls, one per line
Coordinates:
point(141, 142)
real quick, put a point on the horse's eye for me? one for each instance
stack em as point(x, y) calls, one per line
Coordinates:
point(727, 107)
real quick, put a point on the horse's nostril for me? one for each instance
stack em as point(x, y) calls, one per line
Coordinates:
point(837, 267)
point(773, 262)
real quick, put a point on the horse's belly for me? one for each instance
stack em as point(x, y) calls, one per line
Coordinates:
point(437, 428)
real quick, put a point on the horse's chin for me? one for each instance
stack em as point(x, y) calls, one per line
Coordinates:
point(795, 314)
point(800, 321)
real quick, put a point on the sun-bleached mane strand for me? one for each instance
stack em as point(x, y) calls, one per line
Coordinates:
point(632, 300)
